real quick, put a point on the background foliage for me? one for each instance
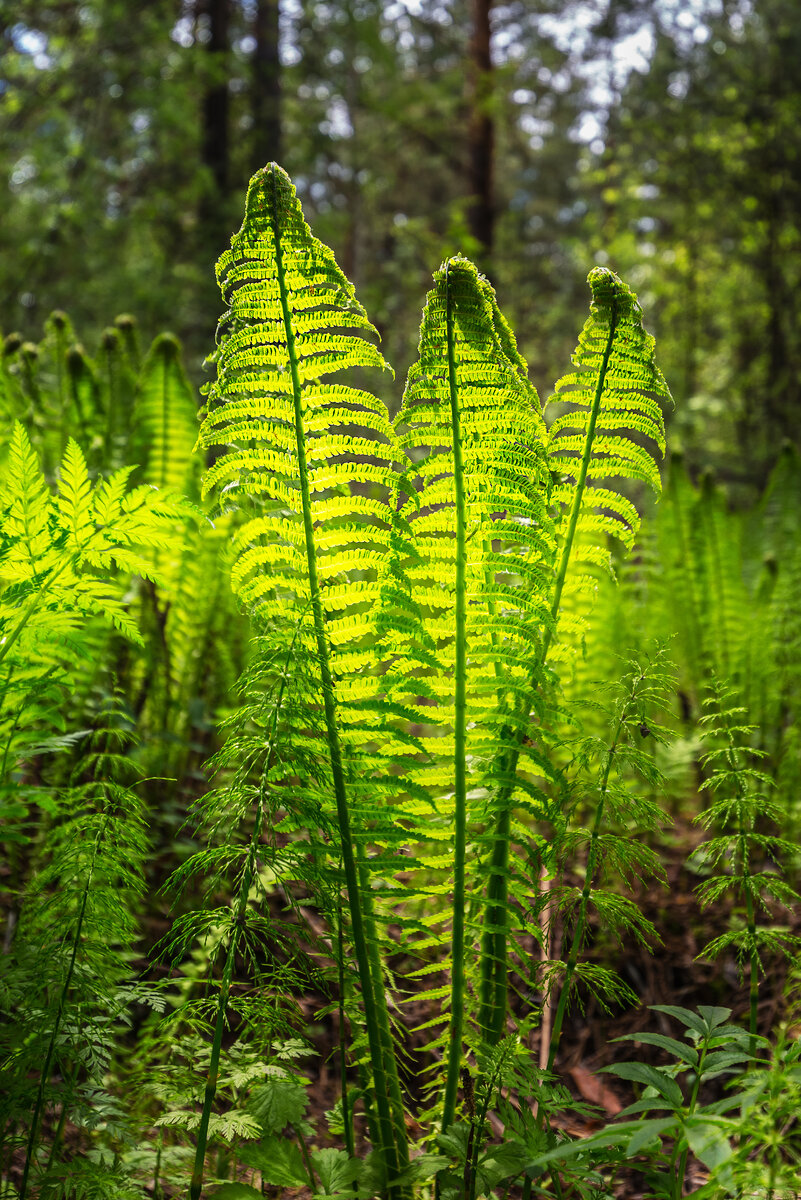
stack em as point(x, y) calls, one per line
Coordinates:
point(661, 135)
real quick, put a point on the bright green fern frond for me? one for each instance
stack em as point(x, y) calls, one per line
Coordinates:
point(313, 464)
point(472, 424)
point(284, 429)
point(59, 555)
point(610, 429)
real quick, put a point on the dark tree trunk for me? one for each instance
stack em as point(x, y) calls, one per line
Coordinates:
point(267, 145)
point(481, 133)
point(215, 146)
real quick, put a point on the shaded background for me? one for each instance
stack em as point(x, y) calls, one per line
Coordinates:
point(660, 136)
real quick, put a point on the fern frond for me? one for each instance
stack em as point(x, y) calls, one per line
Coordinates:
point(471, 423)
point(165, 419)
point(59, 555)
point(617, 389)
point(286, 459)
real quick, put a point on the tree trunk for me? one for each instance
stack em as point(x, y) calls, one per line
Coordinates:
point(481, 133)
point(215, 146)
point(266, 104)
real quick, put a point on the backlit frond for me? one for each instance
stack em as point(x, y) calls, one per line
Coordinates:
point(606, 429)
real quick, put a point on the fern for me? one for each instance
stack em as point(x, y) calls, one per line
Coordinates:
point(54, 551)
point(617, 388)
point(315, 542)
point(480, 522)
point(117, 383)
point(165, 419)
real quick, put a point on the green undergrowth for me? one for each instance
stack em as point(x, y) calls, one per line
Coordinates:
point(319, 725)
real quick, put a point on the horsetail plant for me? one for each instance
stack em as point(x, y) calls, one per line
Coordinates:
point(77, 936)
point(641, 693)
point(740, 805)
point(259, 751)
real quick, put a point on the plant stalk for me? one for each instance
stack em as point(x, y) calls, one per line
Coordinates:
point(460, 733)
point(494, 971)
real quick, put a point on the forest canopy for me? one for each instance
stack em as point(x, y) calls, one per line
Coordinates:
point(660, 136)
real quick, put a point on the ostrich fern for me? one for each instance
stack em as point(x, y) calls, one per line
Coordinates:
point(165, 419)
point(617, 388)
point(481, 526)
point(430, 590)
point(316, 540)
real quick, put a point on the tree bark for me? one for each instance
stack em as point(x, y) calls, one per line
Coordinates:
point(215, 147)
point(266, 104)
point(481, 132)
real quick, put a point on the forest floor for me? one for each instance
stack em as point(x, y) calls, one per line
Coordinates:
point(672, 974)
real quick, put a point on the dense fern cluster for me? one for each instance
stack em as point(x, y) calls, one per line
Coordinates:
point(416, 770)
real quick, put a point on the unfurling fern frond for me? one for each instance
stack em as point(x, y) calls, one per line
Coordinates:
point(117, 380)
point(472, 424)
point(312, 463)
point(613, 418)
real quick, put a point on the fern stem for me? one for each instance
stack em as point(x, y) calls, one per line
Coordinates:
point(460, 776)
point(372, 997)
point(494, 970)
point(347, 1120)
point(376, 969)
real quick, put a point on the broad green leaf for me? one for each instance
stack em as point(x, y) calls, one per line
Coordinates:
point(648, 1132)
point(713, 1015)
point(685, 1015)
point(709, 1140)
point(279, 1160)
point(280, 1101)
point(336, 1171)
point(651, 1077)
point(678, 1049)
